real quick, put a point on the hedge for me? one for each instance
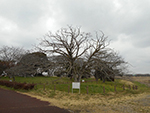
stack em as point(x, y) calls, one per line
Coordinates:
point(17, 85)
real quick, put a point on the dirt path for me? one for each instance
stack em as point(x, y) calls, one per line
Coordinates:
point(13, 102)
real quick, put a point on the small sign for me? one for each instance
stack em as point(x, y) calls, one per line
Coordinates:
point(75, 85)
point(83, 80)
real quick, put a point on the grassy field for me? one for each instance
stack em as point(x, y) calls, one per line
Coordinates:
point(113, 99)
point(90, 86)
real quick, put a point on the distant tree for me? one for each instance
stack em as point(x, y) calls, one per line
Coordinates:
point(81, 52)
point(10, 56)
point(29, 65)
point(5, 65)
point(106, 69)
point(58, 66)
point(13, 54)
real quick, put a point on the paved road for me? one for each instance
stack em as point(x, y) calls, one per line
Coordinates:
point(13, 102)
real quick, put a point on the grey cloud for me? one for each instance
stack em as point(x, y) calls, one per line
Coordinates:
point(90, 14)
point(125, 22)
point(24, 13)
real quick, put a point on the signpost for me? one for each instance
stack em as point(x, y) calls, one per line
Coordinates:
point(75, 85)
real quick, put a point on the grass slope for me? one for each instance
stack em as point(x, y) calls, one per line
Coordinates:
point(55, 90)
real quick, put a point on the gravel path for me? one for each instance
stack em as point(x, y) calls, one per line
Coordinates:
point(13, 102)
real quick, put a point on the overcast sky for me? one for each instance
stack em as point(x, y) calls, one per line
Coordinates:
point(125, 22)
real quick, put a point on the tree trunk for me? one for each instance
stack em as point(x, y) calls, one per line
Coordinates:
point(104, 78)
point(75, 78)
point(79, 78)
point(13, 78)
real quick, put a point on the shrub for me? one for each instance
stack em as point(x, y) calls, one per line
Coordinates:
point(17, 85)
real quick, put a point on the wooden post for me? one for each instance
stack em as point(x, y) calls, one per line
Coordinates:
point(115, 88)
point(123, 87)
point(87, 90)
point(129, 87)
point(133, 87)
point(104, 89)
point(68, 88)
point(136, 87)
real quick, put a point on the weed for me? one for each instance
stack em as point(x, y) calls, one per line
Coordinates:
point(52, 94)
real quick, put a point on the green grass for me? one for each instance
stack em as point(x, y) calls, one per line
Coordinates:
point(142, 87)
point(37, 79)
point(65, 85)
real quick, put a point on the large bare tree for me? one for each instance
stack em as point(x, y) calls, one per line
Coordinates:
point(69, 43)
point(81, 51)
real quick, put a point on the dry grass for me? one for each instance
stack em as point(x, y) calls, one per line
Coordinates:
point(126, 82)
point(143, 80)
point(114, 103)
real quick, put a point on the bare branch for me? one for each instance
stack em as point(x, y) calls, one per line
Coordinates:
point(81, 52)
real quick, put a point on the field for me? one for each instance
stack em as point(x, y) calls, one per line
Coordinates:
point(113, 97)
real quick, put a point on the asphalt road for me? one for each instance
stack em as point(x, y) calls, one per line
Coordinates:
point(13, 102)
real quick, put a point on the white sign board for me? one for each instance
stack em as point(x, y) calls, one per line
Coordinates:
point(83, 80)
point(75, 85)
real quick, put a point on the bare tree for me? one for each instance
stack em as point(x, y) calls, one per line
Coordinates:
point(69, 43)
point(12, 53)
point(104, 61)
point(80, 51)
point(107, 68)
point(9, 57)
point(31, 64)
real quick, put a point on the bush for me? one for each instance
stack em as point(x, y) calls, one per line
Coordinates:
point(17, 85)
point(28, 86)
